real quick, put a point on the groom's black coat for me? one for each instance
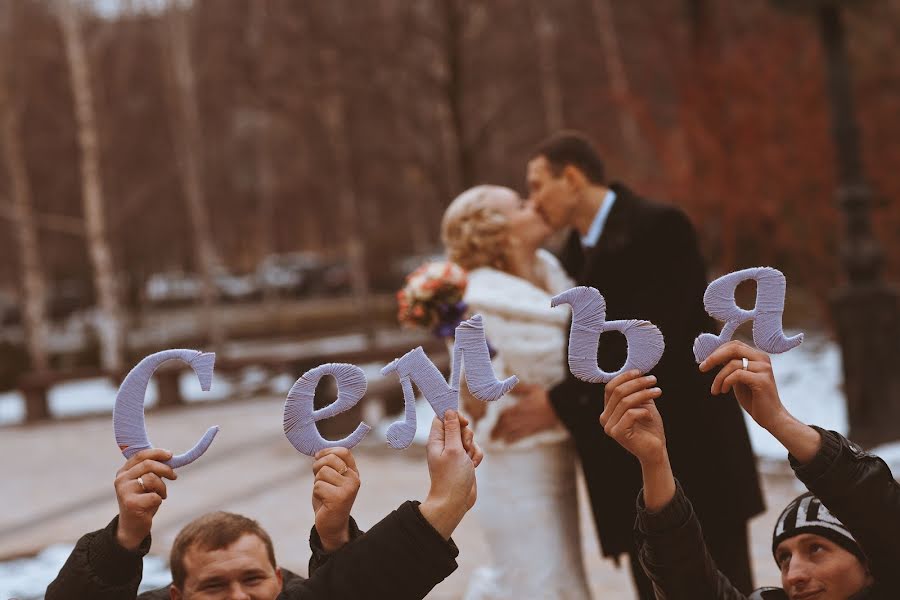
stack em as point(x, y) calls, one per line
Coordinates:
point(647, 265)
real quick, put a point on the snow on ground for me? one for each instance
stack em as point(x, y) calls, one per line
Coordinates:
point(98, 395)
point(26, 578)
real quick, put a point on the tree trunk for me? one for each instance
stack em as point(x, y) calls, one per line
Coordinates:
point(109, 320)
point(619, 83)
point(545, 35)
point(265, 174)
point(34, 291)
point(188, 147)
point(414, 179)
point(452, 114)
point(335, 118)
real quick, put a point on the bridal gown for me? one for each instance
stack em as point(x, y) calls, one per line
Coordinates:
point(527, 498)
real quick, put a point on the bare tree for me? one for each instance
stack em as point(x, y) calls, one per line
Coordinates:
point(333, 110)
point(545, 33)
point(452, 112)
point(188, 147)
point(109, 321)
point(262, 129)
point(618, 80)
point(34, 293)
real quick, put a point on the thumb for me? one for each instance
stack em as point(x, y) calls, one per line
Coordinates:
point(452, 430)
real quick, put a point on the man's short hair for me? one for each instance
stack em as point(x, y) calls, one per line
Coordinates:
point(572, 148)
point(213, 531)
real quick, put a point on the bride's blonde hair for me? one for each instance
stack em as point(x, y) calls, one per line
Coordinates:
point(474, 233)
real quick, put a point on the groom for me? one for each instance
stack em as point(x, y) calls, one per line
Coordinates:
point(644, 258)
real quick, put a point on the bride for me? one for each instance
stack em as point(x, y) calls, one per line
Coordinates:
point(527, 501)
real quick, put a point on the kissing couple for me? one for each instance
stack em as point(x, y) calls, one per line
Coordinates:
point(643, 256)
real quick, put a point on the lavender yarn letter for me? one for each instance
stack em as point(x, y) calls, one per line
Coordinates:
point(645, 341)
point(768, 333)
point(470, 349)
point(128, 413)
point(300, 418)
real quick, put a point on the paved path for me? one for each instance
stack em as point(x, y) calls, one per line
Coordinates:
point(58, 485)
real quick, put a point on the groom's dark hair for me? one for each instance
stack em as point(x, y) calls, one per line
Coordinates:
point(566, 148)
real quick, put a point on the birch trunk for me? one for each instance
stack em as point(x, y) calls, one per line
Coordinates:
point(34, 290)
point(109, 321)
point(188, 149)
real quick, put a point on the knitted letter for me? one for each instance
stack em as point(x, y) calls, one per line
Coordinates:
point(470, 348)
point(128, 413)
point(768, 334)
point(644, 339)
point(300, 418)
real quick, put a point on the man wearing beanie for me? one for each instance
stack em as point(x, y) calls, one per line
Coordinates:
point(807, 516)
point(840, 541)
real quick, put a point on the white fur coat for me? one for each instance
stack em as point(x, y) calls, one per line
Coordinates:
point(529, 335)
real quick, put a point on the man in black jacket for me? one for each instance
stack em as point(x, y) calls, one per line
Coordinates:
point(840, 541)
point(223, 555)
point(644, 258)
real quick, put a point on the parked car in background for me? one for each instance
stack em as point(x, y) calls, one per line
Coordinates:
point(237, 288)
point(332, 279)
point(172, 288)
point(288, 275)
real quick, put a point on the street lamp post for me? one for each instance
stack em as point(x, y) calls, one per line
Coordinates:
point(866, 310)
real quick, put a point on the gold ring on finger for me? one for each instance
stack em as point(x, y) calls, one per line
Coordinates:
point(140, 480)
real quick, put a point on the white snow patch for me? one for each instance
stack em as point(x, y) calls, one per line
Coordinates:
point(28, 578)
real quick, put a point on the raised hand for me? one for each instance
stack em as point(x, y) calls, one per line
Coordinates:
point(140, 491)
point(748, 372)
point(754, 386)
point(630, 416)
point(334, 491)
point(453, 490)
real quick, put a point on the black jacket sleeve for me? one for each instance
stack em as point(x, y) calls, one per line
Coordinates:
point(859, 489)
point(674, 555)
point(401, 557)
point(100, 569)
point(319, 556)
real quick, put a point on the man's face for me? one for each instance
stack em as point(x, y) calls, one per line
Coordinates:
point(552, 197)
point(241, 571)
point(815, 568)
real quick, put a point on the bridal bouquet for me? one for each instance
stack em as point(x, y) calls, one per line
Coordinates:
point(432, 298)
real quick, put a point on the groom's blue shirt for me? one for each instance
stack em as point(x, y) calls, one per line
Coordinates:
point(590, 239)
